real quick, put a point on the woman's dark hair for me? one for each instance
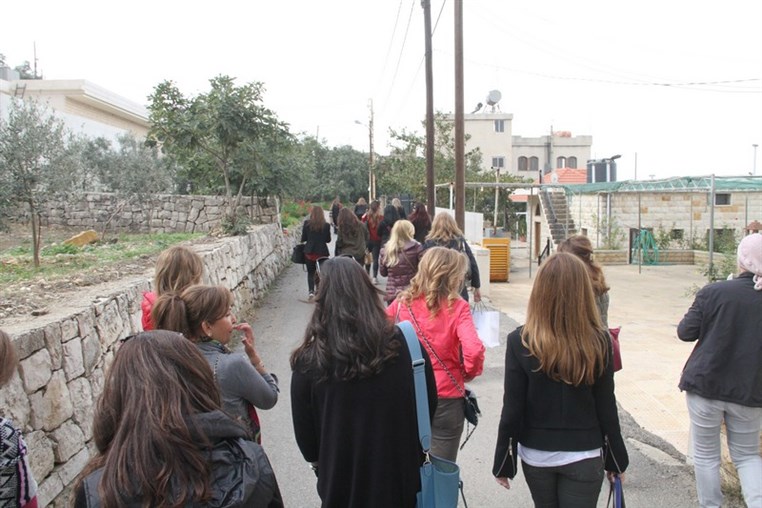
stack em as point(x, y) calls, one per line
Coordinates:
point(390, 214)
point(317, 218)
point(349, 335)
point(146, 443)
point(185, 312)
point(348, 222)
point(374, 215)
point(420, 217)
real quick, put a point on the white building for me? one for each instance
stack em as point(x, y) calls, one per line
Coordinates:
point(84, 107)
point(492, 133)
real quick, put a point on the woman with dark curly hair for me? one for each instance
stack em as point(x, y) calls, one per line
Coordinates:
point(353, 398)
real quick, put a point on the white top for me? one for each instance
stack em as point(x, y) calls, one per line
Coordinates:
point(543, 458)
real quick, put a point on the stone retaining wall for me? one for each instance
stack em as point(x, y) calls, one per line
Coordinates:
point(63, 361)
point(162, 213)
point(672, 257)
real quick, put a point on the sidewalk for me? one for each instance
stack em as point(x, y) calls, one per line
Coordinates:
point(648, 306)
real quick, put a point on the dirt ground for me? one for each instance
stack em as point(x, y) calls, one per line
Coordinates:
point(38, 296)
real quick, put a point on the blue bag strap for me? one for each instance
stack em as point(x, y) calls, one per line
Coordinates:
point(419, 376)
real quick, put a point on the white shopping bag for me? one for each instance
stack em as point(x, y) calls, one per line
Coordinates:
point(487, 324)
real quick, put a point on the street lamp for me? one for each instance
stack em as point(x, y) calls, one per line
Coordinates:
point(371, 157)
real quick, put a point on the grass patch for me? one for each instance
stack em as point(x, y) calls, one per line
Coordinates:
point(59, 260)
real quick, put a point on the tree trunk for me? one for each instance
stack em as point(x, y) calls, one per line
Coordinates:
point(35, 234)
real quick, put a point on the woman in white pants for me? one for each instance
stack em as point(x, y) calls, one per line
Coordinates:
point(722, 377)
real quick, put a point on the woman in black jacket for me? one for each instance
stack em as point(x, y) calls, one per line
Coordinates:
point(162, 438)
point(559, 409)
point(353, 397)
point(722, 378)
point(316, 232)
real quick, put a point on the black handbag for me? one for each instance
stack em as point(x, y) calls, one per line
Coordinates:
point(472, 408)
point(297, 255)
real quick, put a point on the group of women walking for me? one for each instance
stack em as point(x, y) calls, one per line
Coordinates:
point(177, 423)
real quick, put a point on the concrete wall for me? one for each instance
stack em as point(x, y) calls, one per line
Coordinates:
point(158, 213)
point(64, 359)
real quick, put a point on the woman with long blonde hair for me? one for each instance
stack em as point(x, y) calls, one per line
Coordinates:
point(580, 246)
point(446, 233)
point(399, 258)
point(559, 409)
point(443, 322)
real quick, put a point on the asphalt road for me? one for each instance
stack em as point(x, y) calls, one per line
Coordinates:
point(657, 477)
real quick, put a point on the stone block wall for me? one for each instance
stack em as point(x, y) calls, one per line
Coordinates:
point(686, 211)
point(63, 361)
point(159, 213)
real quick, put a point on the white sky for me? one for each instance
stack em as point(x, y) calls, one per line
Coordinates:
point(594, 67)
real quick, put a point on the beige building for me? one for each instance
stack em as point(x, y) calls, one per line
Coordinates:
point(612, 214)
point(84, 107)
point(492, 133)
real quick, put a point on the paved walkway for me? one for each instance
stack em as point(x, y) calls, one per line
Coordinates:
point(647, 304)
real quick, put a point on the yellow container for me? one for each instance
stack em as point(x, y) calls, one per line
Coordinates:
point(499, 258)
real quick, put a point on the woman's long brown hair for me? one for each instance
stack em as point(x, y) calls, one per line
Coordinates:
point(147, 446)
point(349, 336)
point(444, 229)
point(580, 246)
point(563, 329)
point(317, 218)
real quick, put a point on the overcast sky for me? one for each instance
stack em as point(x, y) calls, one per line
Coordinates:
point(679, 82)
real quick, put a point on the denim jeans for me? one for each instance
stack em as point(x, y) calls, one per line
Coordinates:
point(742, 424)
point(575, 485)
point(447, 427)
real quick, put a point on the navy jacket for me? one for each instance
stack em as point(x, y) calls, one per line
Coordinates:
point(726, 321)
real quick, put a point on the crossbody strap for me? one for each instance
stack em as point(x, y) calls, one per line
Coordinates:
point(419, 376)
point(433, 352)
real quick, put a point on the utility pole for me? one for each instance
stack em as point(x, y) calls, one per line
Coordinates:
point(754, 168)
point(372, 157)
point(430, 190)
point(460, 152)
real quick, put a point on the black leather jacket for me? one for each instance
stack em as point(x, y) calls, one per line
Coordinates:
point(726, 321)
point(241, 475)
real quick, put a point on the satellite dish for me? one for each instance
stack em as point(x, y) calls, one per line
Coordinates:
point(493, 97)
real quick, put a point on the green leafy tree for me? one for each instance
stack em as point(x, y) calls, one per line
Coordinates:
point(33, 161)
point(404, 170)
point(221, 137)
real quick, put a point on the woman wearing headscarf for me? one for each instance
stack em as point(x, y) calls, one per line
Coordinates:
point(722, 378)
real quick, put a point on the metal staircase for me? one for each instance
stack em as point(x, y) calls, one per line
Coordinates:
point(556, 209)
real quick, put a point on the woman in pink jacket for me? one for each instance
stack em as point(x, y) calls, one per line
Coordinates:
point(442, 320)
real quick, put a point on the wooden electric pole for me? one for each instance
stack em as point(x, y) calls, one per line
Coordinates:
point(460, 153)
point(430, 190)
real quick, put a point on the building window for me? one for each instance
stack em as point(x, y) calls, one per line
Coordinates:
point(499, 125)
point(498, 162)
point(561, 162)
point(676, 234)
point(722, 199)
point(534, 164)
point(523, 163)
point(571, 162)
